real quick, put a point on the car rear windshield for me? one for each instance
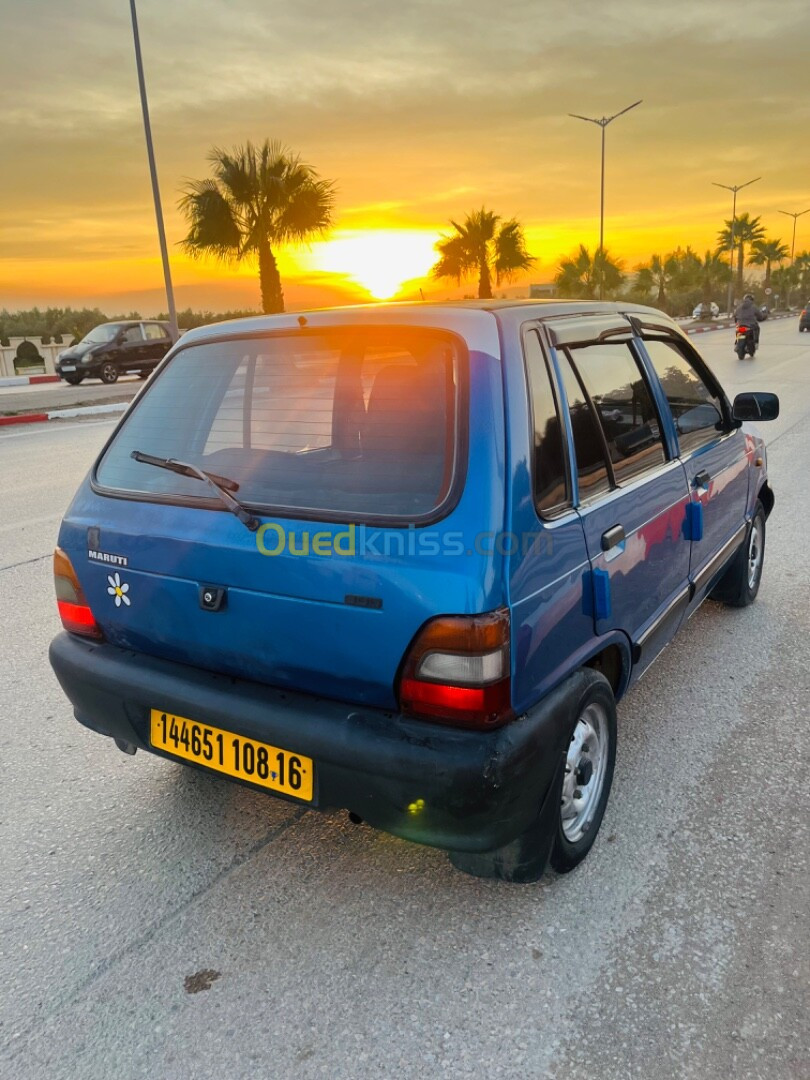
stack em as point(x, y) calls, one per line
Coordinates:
point(355, 422)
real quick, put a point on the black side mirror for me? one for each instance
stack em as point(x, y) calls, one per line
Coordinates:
point(755, 406)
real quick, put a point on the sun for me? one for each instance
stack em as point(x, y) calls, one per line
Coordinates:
point(379, 260)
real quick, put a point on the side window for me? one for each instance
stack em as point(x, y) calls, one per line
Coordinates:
point(132, 334)
point(154, 332)
point(549, 466)
point(697, 412)
point(592, 468)
point(625, 408)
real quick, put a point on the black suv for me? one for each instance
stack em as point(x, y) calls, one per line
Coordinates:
point(112, 349)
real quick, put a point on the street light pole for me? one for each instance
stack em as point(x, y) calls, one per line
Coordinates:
point(735, 188)
point(603, 123)
point(794, 216)
point(147, 127)
point(792, 244)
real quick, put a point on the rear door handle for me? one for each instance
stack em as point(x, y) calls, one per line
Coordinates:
point(702, 479)
point(612, 537)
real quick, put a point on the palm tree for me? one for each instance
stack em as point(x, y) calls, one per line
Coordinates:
point(747, 231)
point(259, 198)
point(766, 252)
point(801, 264)
point(714, 272)
point(658, 276)
point(578, 275)
point(479, 246)
point(784, 280)
point(686, 267)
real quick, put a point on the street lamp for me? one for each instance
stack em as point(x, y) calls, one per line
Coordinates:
point(147, 127)
point(603, 123)
point(794, 216)
point(792, 244)
point(735, 188)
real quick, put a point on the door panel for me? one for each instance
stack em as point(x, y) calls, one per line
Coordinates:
point(634, 517)
point(130, 351)
point(548, 561)
point(648, 570)
point(157, 342)
point(718, 480)
point(714, 457)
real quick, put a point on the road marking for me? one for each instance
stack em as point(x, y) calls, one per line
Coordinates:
point(50, 429)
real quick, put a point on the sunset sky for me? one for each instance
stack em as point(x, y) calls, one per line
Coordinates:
point(418, 110)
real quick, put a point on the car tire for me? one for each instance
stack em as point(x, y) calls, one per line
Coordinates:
point(586, 695)
point(73, 380)
point(108, 372)
point(739, 586)
point(595, 723)
point(144, 374)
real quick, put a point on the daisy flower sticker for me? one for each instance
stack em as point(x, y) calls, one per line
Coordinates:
point(118, 589)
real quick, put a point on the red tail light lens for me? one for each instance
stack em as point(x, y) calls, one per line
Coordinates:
point(74, 611)
point(457, 671)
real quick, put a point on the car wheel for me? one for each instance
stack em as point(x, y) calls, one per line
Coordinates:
point(108, 373)
point(588, 776)
point(74, 380)
point(740, 584)
point(570, 815)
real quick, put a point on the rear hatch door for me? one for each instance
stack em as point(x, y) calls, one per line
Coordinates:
point(353, 446)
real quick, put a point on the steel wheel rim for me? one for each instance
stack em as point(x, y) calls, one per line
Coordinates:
point(585, 768)
point(754, 554)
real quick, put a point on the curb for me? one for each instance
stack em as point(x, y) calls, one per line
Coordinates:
point(729, 325)
point(27, 380)
point(65, 414)
point(27, 418)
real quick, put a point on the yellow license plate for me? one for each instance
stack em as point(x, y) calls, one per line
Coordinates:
point(257, 762)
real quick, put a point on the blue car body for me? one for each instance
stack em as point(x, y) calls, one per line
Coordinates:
point(306, 650)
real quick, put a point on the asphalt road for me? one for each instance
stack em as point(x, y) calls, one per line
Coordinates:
point(43, 397)
point(678, 949)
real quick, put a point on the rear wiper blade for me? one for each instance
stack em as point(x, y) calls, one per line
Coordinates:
point(222, 485)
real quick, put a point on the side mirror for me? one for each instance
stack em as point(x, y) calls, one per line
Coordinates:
point(755, 406)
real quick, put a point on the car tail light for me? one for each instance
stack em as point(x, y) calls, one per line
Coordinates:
point(457, 671)
point(74, 611)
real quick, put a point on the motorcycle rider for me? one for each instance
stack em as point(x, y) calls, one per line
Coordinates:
point(748, 314)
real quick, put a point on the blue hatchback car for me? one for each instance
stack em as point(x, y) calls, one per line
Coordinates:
point(403, 560)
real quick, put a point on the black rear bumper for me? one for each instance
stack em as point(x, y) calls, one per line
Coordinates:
point(478, 790)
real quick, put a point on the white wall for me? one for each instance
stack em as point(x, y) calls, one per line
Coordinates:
point(49, 354)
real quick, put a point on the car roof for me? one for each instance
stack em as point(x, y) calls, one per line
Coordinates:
point(447, 313)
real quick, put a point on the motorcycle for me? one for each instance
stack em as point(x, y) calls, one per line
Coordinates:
point(745, 341)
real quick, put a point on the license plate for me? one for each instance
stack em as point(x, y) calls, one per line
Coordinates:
point(68, 367)
point(257, 762)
